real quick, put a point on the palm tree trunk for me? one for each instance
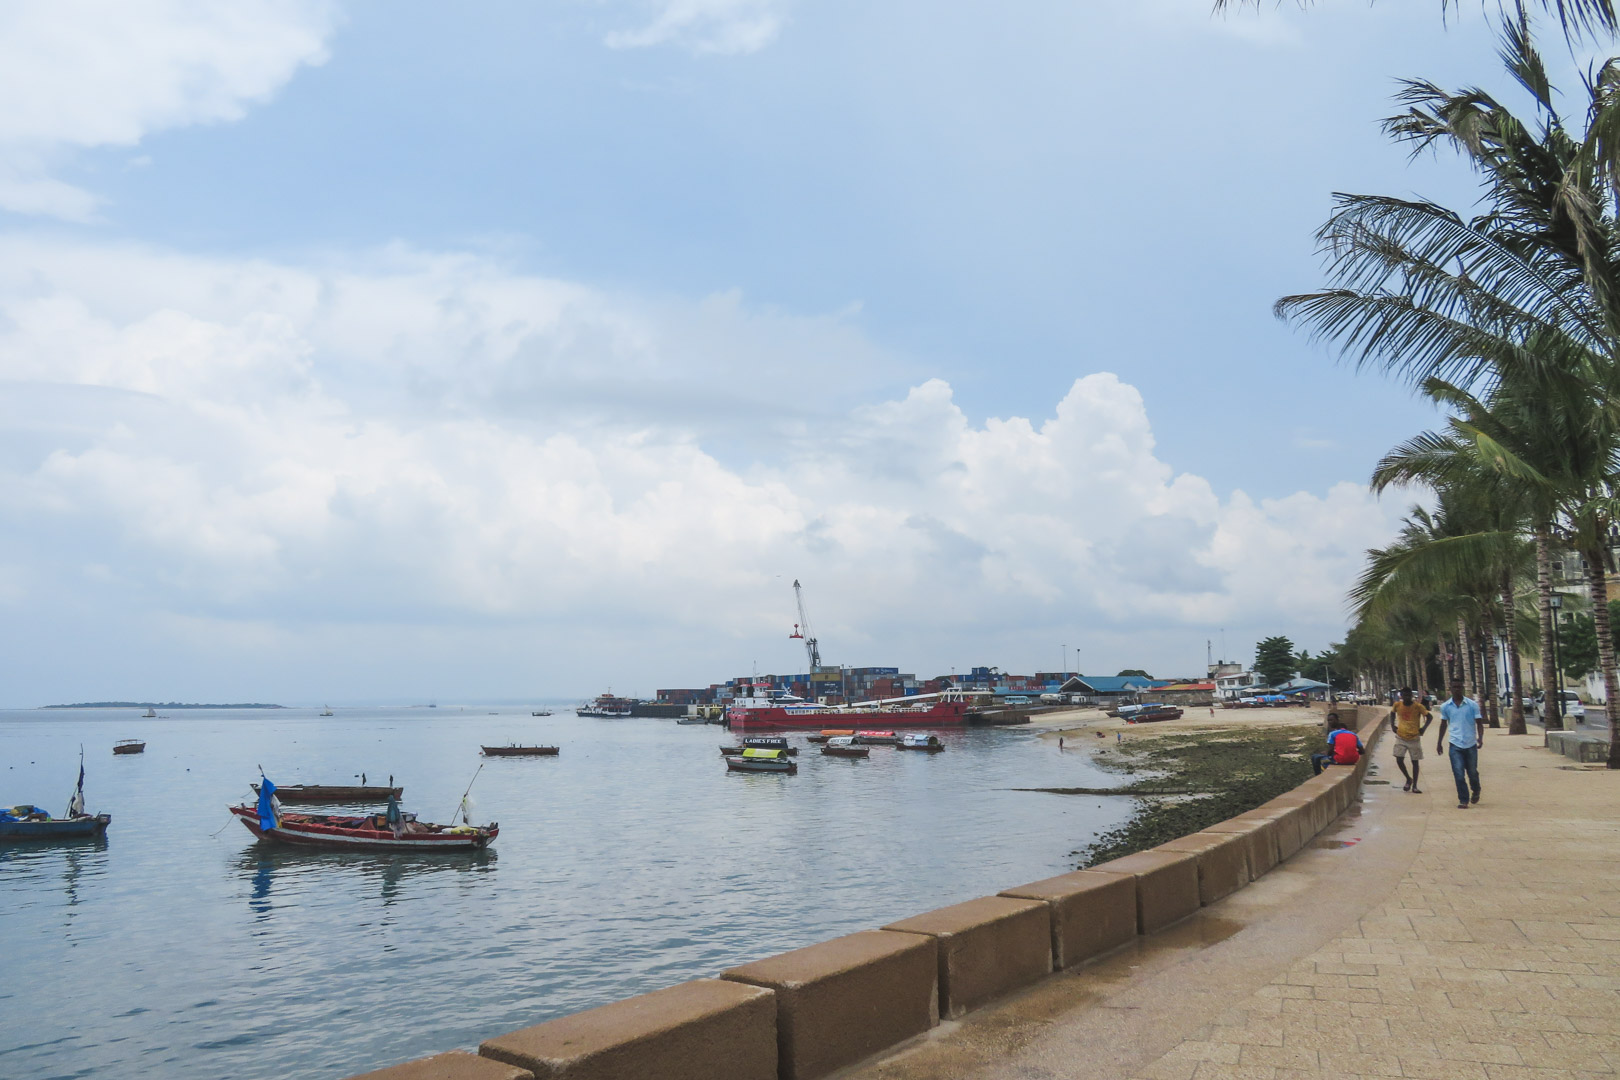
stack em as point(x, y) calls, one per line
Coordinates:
point(1599, 585)
point(1465, 653)
point(1551, 718)
point(1493, 715)
point(1515, 679)
point(1445, 658)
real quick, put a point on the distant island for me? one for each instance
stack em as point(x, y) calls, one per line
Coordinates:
point(160, 705)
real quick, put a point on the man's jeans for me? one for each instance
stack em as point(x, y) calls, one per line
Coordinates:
point(1465, 770)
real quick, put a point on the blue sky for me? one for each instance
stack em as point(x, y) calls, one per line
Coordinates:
point(386, 351)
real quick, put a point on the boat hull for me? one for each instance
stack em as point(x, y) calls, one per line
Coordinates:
point(778, 718)
point(847, 751)
point(521, 751)
point(130, 748)
point(334, 793)
point(302, 830)
point(77, 828)
point(742, 764)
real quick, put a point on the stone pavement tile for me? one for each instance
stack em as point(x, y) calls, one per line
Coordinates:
point(1356, 1063)
point(1167, 1069)
point(1211, 1070)
point(1494, 1053)
point(1520, 1072)
point(1597, 1025)
point(1436, 1068)
point(1222, 1052)
point(1285, 1057)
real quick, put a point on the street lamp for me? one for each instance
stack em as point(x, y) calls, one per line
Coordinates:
point(1553, 717)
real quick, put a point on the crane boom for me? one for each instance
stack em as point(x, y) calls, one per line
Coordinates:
point(810, 645)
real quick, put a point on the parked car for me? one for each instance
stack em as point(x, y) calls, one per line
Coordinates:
point(1569, 700)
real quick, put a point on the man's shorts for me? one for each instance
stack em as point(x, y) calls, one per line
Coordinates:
point(1412, 748)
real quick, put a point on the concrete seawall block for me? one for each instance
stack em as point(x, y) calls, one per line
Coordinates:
point(452, 1066)
point(1259, 837)
point(707, 1029)
point(987, 947)
point(1091, 913)
point(846, 999)
point(1166, 886)
point(1293, 818)
point(1223, 862)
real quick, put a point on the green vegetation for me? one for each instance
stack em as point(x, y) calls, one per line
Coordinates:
point(1133, 671)
point(1198, 779)
point(1274, 660)
point(1508, 319)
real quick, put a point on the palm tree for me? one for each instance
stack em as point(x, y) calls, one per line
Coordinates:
point(1513, 317)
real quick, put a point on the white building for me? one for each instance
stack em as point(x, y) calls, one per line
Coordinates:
point(1230, 687)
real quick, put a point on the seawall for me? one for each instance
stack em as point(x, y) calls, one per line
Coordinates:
point(813, 1011)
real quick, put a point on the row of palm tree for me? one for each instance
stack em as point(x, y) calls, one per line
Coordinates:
point(1509, 320)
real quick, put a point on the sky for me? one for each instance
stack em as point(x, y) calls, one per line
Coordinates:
point(391, 352)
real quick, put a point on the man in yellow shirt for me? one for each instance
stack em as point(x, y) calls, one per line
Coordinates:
point(1409, 719)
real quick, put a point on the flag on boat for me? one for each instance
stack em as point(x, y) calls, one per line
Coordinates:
point(76, 804)
point(268, 807)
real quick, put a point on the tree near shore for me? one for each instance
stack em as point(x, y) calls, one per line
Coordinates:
point(1274, 660)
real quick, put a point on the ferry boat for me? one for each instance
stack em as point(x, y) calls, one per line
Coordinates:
point(607, 705)
point(776, 709)
point(761, 743)
point(917, 741)
point(844, 746)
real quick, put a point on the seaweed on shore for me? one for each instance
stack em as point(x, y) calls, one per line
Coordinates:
point(1223, 773)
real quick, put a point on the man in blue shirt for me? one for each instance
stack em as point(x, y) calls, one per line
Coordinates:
point(1460, 717)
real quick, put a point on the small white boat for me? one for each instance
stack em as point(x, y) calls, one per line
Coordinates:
point(149, 714)
point(326, 710)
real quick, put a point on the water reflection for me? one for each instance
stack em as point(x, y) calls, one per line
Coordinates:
point(294, 873)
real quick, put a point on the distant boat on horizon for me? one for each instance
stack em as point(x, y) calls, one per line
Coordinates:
point(326, 710)
point(149, 714)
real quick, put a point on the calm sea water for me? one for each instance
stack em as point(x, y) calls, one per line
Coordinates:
point(181, 948)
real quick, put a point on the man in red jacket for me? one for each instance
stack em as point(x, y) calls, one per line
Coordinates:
point(1344, 747)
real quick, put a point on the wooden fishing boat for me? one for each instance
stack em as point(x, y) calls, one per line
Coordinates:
point(371, 832)
point(521, 751)
point(830, 733)
point(33, 823)
point(877, 738)
point(761, 743)
point(1151, 714)
point(844, 746)
point(927, 743)
point(762, 761)
point(334, 793)
point(691, 719)
point(129, 746)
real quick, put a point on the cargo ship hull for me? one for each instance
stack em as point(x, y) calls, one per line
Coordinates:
point(779, 718)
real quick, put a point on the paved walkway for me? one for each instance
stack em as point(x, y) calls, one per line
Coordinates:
point(1412, 939)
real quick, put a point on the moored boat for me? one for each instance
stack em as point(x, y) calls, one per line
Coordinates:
point(335, 793)
point(691, 719)
point(771, 709)
point(927, 743)
point(34, 823)
point(844, 746)
point(762, 761)
point(877, 738)
point(761, 744)
point(393, 830)
point(829, 733)
point(520, 751)
point(129, 746)
point(608, 706)
point(1151, 713)
point(541, 712)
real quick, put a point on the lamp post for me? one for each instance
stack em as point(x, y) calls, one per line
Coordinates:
point(1327, 677)
point(1552, 716)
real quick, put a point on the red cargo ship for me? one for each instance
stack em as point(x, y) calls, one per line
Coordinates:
point(779, 711)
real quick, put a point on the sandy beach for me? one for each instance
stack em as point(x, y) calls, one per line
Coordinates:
point(1080, 725)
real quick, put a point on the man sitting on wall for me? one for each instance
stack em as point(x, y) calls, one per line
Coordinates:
point(1344, 747)
point(1409, 719)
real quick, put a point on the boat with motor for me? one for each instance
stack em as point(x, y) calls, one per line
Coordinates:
point(607, 706)
point(520, 751)
point(762, 761)
point(29, 822)
point(830, 733)
point(129, 746)
point(761, 743)
point(877, 738)
point(771, 708)
point(844, 746)
point(926, 743)
point(335, 793)
point(541, 712)
point(691, 719)
point(393, 830)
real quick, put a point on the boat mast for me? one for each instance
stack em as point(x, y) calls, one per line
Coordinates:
point(803, 630)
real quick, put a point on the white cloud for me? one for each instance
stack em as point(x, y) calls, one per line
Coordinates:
point(430, 440)
point(78, 74)
point(706, 26)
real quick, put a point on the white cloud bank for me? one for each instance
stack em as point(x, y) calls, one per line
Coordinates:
point(429, 441)
point(77, 74)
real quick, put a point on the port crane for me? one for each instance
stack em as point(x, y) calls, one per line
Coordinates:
point(801, 630)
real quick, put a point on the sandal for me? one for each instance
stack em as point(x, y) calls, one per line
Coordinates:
point(1407, 786)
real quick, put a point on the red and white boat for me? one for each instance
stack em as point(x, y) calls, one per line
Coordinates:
point(370, 832)
point(776, 710)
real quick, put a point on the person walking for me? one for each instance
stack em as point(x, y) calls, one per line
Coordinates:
point(1460, 717)
point(1409, 720)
